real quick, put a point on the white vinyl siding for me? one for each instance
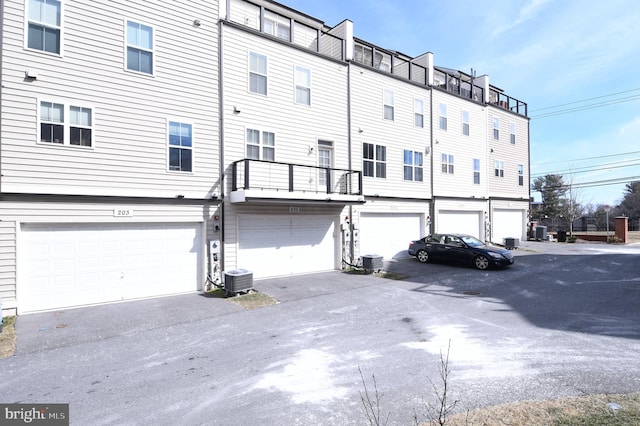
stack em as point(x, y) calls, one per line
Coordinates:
point(128, 156)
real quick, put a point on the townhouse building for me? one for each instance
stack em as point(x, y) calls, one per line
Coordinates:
point(109, 153)
point(145, 150)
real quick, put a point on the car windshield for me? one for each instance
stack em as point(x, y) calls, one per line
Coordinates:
point(471, 241)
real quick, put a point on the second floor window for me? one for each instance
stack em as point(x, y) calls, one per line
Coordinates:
point(476, 171)
point(388, 105)
point(139, 48)
point(257, 73)
point(44, 25)
point(496, 128)
point(447, 164)
point(413, 166)
point(443, 116)
point(374, 160)
point(465, 123)
point(261, 145)
point(180, 147)
point(499, 168)
point(418, 113)
point(303, 86)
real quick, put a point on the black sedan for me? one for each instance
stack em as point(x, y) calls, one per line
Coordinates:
point(459, 248)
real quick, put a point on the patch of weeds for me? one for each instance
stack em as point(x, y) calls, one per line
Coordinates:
point(391, 275)
point(218, 293)
point(253, 300)
point(8, 337)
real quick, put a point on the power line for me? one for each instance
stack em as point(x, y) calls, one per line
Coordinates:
point(585, 100)
point(585, 107)
point(587, 169)
point(589, 158)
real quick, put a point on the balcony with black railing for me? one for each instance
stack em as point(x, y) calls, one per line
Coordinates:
point(255, 180)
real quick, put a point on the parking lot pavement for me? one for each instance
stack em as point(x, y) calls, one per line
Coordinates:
point(558, 323)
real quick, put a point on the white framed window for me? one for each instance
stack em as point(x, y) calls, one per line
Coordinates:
point(374, 160)
point(180, 146)
point(62, 124)
point(447, 163)
point(325, 160)
point(80, 126)
point(277, 25)
point(139, 50)
point(465, 123)
point(443, 116)
point(520, 175)
point(496, 128)
point(512, 136)
point(413, 165)
point(388, 105)
point(44, 25)
point(257, 73)
point(261, 145)
point(303, 85)
point(418, 112)
point(498, 168)
point(476, 171)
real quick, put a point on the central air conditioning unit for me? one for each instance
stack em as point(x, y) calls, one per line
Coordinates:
point(371, 262)
point(238, 281)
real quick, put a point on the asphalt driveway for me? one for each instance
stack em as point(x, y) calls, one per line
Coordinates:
point(563, 321)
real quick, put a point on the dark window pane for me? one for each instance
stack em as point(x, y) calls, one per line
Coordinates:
point(367, 167)
point(36, 37)
point(418, 174)
point(52, 40)
point(80, 137)
point(408, 173)
point(381, 170)
point(185, 157)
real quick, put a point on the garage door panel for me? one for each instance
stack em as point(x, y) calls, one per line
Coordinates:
point(507, 224)
point(285, 245)
point(388, 234)
point(74, 265)
point(462, 222)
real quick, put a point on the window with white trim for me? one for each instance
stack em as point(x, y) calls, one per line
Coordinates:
point(388, 105)
point(303, 86)
point(257, 73)
point(180, 147)
point(447, 163)
point(413, 165)
point(443, 116)
point(465, 123)
point(44, 25)
point(374, 160)
point(65, 124)
point(139, 47)
point(261, 145)
point(418, 112)
point(496, 128)
point(512, 137)
point(476, 171)
point(277, 25)
point(499, 168)
point(520, 175)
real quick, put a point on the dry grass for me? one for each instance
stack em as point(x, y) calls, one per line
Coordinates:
point(253, 300)
point(589, 410)
point(8, 338)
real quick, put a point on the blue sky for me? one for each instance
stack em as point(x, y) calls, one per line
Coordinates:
point(575, 63)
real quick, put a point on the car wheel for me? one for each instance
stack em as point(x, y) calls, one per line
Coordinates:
point(481, 262)
point(422, 256)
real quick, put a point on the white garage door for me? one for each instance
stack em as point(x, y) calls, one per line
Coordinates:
point(388, 234)
point(507, 224)
point(272, 246)
point(459, 222)
point(74, 265)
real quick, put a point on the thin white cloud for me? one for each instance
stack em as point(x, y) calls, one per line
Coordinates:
point(528, 12)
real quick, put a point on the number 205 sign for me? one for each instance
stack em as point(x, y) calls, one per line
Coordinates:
point(123, 212)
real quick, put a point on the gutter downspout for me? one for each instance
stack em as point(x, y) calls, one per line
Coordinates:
point(352, 243)
point(221, 143)
point(432, 207)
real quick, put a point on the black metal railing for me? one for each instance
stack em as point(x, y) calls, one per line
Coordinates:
point(507, 102)
point(287, 177)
